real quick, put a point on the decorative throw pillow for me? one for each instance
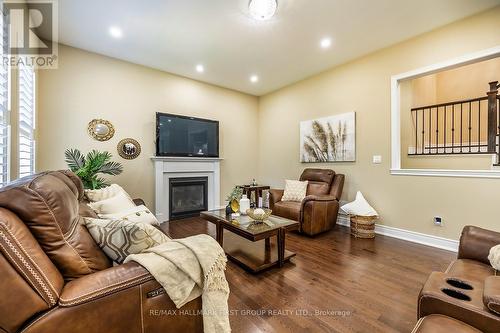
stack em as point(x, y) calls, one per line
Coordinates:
point(120, 238)
point(119, 203)
point(359, 207)
point(295, 190)
point(138, 214)
point(104, 193)
point(494, 257)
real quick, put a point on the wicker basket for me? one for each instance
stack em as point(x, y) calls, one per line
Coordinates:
point(363, 226)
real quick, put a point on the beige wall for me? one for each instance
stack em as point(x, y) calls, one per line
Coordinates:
point(87, 86)
point(363, 86)
point(466, 82)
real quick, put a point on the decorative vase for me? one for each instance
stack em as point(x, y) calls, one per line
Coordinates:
point(229, 210)
point(244, 204)
point(235, 205)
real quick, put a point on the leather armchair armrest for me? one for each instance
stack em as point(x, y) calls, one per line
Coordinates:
point(318, 198)
point(275, 196)
point(475, 243)
point(318, 214)
point(139, 202)
point(491, 294)
point(103, 283)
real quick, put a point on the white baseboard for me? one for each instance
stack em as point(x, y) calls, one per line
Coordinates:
point(410, 236)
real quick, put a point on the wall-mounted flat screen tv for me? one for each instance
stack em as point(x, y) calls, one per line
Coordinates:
point(186, 136)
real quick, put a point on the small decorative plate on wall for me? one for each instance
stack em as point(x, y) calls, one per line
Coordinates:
point(129, 148)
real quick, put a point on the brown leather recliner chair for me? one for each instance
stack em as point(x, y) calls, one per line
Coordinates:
point(468, 290)
point(54, 277)
point(318, 211)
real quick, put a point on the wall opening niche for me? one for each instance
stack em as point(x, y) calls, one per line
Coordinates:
point(445, 118)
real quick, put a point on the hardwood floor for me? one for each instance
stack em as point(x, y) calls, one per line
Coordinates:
point(372, 284)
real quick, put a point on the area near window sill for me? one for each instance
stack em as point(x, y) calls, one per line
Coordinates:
point(447, 173)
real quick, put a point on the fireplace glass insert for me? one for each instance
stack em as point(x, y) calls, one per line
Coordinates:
point(188, 196)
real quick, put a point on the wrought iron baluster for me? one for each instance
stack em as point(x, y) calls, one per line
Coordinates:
point(430, 131)
point(437, 130)
point(470, 127)
point(416, 131)
point(444, 131)
point(479, 127)
point(461, 127)
point(453, 129)
point(423, 131)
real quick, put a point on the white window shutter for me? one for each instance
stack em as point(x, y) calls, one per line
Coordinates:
point(4, 108)
point(26, 123)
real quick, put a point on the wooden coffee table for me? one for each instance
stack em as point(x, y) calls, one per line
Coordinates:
point(249, 243)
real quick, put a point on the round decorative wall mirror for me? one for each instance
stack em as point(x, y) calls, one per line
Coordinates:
point(101, 130)
point(129, 148)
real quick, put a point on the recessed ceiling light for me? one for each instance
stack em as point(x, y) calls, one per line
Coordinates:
point(254, 79)
point(200, 68)
point(262, 9)
point(116, 32)
point(326, 43)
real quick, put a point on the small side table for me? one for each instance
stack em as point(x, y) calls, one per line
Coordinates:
point(248, 189)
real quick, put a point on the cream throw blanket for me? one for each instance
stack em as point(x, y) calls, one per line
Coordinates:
point(190, 267)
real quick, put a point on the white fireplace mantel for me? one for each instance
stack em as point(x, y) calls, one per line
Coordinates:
point(184, 167)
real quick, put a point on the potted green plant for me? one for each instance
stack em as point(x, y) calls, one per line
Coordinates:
point(89, 166)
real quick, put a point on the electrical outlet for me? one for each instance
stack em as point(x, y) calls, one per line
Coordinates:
point(377, 159)
point(438, 221)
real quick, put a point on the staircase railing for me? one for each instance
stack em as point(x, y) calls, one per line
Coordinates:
point(462, 127)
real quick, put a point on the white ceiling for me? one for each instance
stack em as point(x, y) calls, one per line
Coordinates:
point(176, 35)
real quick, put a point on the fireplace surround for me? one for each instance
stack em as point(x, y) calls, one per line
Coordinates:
point(167, 168)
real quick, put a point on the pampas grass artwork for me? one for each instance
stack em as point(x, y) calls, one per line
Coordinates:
point(330, 139)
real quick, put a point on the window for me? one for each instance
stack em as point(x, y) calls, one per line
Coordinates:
point(26, 128)
point(4, 109)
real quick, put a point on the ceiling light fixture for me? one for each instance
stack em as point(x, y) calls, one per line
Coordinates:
point(200, 68)
point(116, 32)
point(262, 9)
point(326, 43)
point(254, 79)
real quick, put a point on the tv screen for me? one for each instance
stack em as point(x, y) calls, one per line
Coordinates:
point(186, 136)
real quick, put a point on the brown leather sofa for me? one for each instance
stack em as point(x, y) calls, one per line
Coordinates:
point(54, 277)
point(318, 211)
point(468, 290)
point(442, 324)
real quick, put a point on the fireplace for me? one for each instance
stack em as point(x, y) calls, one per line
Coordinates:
point(188, 196)
point(166, 168)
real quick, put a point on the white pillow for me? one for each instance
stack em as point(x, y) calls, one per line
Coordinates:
point(104, 193)
point(120, 238)
point(119, 203)
point(138, 214)
point(295, 190)
point(359, 207)
point(494, 257)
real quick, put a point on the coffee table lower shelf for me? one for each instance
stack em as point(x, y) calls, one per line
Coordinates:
point(252, 256)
